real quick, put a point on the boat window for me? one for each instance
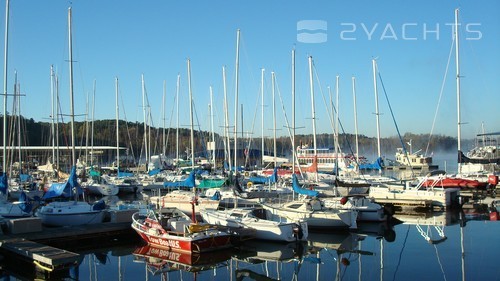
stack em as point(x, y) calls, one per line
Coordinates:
point(294, 206)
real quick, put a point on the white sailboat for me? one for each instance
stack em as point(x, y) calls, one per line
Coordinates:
point(259, 219)
point(311, 209)
point(185, 200)
point(72, 212)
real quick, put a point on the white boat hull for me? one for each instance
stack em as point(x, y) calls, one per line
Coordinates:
point(264, 229)
point(184, 202)
point(324, 218)
point(69, 213)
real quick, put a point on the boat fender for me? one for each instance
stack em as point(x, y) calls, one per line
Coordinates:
point(298, 232)
point(493, 180)
point(343, 200)
point(389, 209)
point(345, 261)
point(249, 184)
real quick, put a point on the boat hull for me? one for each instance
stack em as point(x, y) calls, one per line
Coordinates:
point(180, 240)
point(264, 229)
point(69, 214)
point(316, 219)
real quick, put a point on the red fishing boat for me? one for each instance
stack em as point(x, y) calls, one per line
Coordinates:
point(173, 230)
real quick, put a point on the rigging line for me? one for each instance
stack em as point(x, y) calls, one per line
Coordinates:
point(253, 126)
point(200, 133)
point(440, 96)
point(170, 123)
point(340, 123)
point(394, 120)
point(287, 125)
point(401, 253)
point(128, 131)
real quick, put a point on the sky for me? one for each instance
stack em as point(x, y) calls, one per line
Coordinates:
point(410, 40)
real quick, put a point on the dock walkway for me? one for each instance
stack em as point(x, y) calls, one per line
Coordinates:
point(46, 257)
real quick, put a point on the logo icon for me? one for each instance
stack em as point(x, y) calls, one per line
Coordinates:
point(312, 31)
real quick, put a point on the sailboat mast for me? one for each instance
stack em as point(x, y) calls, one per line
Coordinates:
point(144, 110)
point(212, 125)
point(337, 125)
point(377, 115)
point(72, 105)
point(262, 112)
point(117, 114)
point(226, 119)
point(273, 77)
point(313, 113)
point(293, 111)
point(457, 62)
point(86, 129)
point(57, 124)
point(17, 94)
point(52, 112)
point(4, 164)
point(164, 117)
point(355, 117)
point(191, 112)
point(236, 100)
point(92, 127)
point(177, 106)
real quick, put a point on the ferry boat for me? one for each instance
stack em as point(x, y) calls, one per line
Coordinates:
point(326, 158)
point(414, 160)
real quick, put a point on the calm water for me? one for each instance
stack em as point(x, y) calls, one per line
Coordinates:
point(425, 247)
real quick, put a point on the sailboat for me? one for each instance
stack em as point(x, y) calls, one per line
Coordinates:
point(485, 181)
point(311, 209)
point(72, 212)
point(185, 200)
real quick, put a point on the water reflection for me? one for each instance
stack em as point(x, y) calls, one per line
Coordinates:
point(158, 260)
point(421, 246)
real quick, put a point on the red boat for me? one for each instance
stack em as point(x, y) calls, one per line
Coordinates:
point(444, 181)
point(175, 231)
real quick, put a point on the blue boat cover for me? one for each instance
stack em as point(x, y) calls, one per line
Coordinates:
point(64, 189)
point(189, 182)
point(271, 179)
point(377, 165)
point(3, 183)
point(226, 167)
point(125, 174)
point(297, 188)
point(24, 177)
point(154, 172)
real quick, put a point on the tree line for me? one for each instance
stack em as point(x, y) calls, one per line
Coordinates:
point(131, 136)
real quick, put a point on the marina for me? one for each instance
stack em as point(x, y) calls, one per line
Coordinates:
point(87, 196)
point(440, 242)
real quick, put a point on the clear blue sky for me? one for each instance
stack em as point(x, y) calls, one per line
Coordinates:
point(124, 39)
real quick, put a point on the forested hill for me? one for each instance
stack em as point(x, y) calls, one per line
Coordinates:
point(132, 136)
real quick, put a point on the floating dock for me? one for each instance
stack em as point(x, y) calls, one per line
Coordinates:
point(405, 203)
point(27, 240)
point(45, 257)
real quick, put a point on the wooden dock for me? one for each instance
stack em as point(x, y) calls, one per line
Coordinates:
point(33, 247)
point(405, 203)
point(45, 257)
